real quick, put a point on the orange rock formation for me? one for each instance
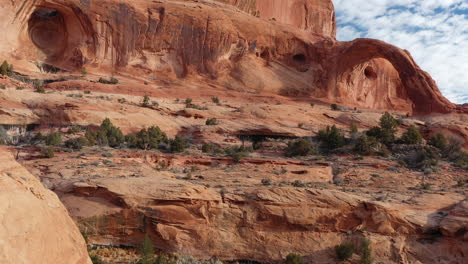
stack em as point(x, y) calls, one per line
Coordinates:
point(295, 55)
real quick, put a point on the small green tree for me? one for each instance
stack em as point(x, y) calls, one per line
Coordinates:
point(147, 251)
point(48, 152)
point(366, 252)
point(353, 129)
point(95, 259)
point(366, 145)
point(53, 139)
point(146, 100)
point(178, 144)
point(215, 100)
point(84, 71)
point(4, 68)
point(211, 122)
point(300, 147)
point(331, 137)
point(412, 136)
point(439, 141)
point(335, 107)
point(76, 143)
point(294, 259)
point(344, 251)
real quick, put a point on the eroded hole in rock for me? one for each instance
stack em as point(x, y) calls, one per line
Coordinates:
point(370, 73)
point(300, 58)
point(47, 30)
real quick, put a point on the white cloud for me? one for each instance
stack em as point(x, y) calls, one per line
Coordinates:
point(434, 31)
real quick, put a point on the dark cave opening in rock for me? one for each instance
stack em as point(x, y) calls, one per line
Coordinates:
point(370, 73)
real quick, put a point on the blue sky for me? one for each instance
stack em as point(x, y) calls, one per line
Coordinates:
point(434, 31)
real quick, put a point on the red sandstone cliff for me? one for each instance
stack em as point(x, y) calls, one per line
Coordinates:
point(177, 39)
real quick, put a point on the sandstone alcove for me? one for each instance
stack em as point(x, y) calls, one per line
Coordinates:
point(61, 35)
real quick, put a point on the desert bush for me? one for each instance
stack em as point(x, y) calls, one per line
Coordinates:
point(48, 152)
point(212, 122)
point(411, 136)
point(344, 251)
point(112, 80)
point(145, 101)
point(178, 144)
point(188, 101)
point(95, 259)
point(53, 139)
point(76, 143)
point(294, 259)
point(266, 182)
point(366, 252)
point(149, 138)
point(331, 138)
point(237, 153)
point(211, 148)
point(147, 251)
point(453, 148)
point(299, 147)
point(114, 135)
point(335, 107)
point(439, 141)
point(215, 100)
point(3, 87)
point(366, 145)
point(40, 89)
point(419, 157)
point(387, 129)
point(4, 68)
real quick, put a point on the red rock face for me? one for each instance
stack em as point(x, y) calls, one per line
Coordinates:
point(179, 39)
point(317, 16)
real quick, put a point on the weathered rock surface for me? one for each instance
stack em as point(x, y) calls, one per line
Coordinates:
point(35, 226)
point(183, 39)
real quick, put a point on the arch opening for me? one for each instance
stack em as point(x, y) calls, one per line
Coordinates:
point(299, 58)
point(370, 73)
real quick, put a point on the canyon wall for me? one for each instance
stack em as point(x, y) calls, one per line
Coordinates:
point(296, 55)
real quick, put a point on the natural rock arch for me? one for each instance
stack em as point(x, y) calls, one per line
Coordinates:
point(418, 85)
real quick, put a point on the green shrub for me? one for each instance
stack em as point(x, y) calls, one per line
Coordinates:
point(237, 153)
point(3, 87)
point(344, 251)
point(112, 80)
point(331, 138)
point(366, 252)
point(53, 139)
point(106, 135)
point(145, 102)
point(84, 71)
point(178, 144)
point(439, 141)
point(266, 182)
point(215, 100)
point(145, 139)
point(95, 259)
point(211, 122)
point(294, 259)
point(76, 143)
point(48, 152)
point(421, 158)
point(335, 107)
point(211, 148)
point(4, 68)
point(366, 145)
point(411, 136)
point(147, 251)
point(40, 89)
point(188, 101)
point(299, 147)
